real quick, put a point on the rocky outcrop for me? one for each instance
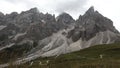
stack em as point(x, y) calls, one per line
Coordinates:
point(64, 20)
point(91, 23)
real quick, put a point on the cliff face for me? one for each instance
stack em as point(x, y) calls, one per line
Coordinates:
point(46, 35)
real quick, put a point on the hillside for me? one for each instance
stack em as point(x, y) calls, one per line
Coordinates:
point(100, 56)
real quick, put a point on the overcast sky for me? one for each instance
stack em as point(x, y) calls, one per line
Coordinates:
point(108, 8)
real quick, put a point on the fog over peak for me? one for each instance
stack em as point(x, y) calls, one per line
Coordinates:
point(73, 5)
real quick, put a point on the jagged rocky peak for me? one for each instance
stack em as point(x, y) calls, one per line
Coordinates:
point(11, 16)
point(91, 23)
point(49, 18)
point(1, 14)
point(94, 19)
point(65, 18)
point(14, 13)
point(65, 15)
point(91, 10)
point(33, 10)
point(2, 18)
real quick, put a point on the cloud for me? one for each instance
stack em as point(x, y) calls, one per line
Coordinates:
point(71, 5)
point(26, 3)
point(51, 6)
point(14, 1)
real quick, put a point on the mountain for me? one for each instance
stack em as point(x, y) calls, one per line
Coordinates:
point(32, 34)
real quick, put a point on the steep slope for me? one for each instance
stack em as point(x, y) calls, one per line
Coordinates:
point(92, 29)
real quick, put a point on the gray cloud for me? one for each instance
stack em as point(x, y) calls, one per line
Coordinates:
point(56, 5)
point(26, 3)
point(72, 5)
point(16, 1)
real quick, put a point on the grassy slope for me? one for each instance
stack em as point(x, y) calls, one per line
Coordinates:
point(86, 58)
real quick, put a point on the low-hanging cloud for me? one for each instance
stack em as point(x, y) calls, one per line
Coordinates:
point(26, 3)
point(56, 6)
point(15, 1)
point(71, 5)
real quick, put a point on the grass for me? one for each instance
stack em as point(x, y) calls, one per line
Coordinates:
point(86, 58)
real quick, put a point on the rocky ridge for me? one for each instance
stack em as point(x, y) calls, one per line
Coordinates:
point(44, 35)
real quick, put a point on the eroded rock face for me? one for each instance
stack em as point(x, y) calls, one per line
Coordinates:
point(50, 36)
point(64, 20)
point(2, 18)
point(91, 23)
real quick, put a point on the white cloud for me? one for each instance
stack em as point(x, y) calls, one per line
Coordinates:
point(74, 7)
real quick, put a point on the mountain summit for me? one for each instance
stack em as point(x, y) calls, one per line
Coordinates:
point(32, 34)
point(90, 10)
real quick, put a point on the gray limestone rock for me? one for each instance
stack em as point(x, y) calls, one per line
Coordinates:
point(46, 35)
